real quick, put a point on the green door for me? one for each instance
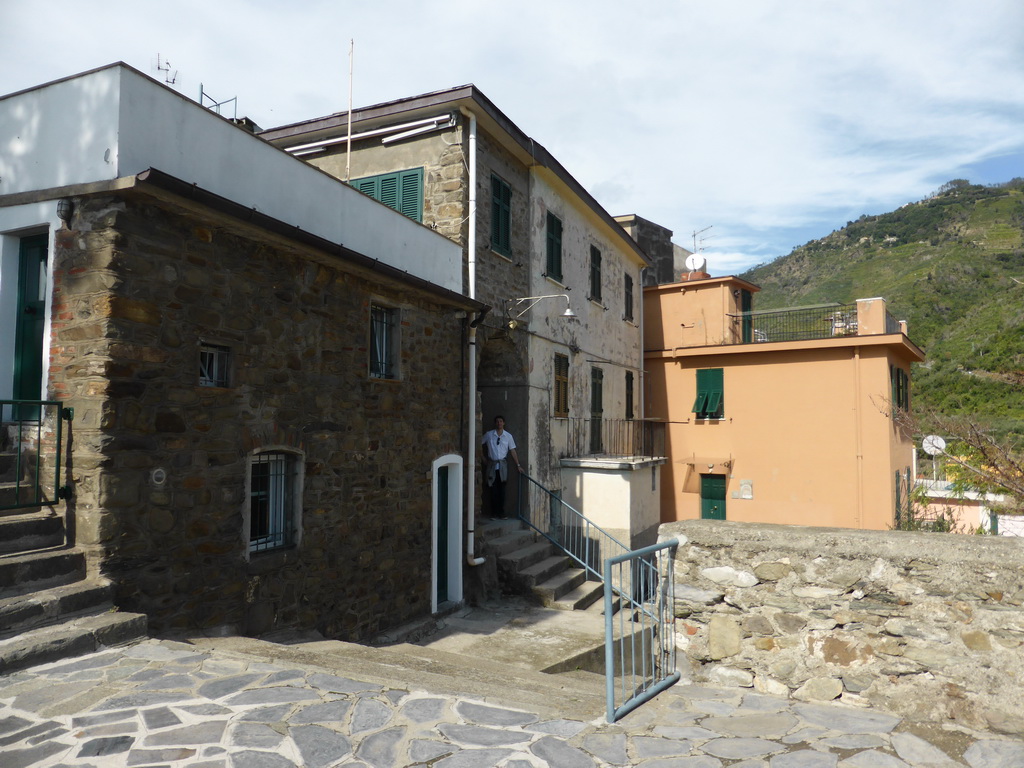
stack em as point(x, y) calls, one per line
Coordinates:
point(28, 335)
point(712, 497)
point(442, 534)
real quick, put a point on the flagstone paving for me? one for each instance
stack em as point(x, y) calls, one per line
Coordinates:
point(163, 703)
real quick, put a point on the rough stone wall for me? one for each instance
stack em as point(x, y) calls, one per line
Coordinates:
point(137, 288)
point(930, 626)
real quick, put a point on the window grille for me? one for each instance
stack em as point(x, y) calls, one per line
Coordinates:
point(271, 501)
point(213, 365)
point(383, 325)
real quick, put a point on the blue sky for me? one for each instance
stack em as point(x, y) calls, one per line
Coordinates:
point(771, 121)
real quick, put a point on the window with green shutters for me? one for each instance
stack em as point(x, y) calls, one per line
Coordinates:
point(595, 273)
point(899, 381)
point(710, 402)
point(627, 299)
point(554, 238)
point(501, 216)
point(402, 190)
point(561, 388)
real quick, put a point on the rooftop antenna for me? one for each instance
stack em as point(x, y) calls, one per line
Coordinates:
point(696, 248)
point(348, 140)
point(214, 105)
point(165, 67)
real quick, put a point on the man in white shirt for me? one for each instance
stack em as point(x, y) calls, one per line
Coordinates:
point(498, 445)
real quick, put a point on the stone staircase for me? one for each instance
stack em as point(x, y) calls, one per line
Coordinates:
point(529, 564)
point(49, 608)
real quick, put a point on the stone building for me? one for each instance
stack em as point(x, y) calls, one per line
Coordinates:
point(536, 244)
point(268, 424)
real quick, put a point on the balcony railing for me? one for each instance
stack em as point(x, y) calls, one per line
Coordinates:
point(611, 438)
point(819, 322)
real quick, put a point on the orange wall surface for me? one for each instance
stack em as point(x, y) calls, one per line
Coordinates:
point(805, 434)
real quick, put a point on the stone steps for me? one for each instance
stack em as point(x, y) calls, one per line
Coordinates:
point(417, 668)
point(23, 572)
point(529, 563)
point(71, 637)
point(49, 609)
point(24, 532)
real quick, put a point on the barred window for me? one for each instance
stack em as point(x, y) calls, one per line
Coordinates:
point(213, 365)
point(273, 497)
point(383, 342)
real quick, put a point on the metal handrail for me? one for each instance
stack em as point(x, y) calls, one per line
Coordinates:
point(565, 527)
point(644, 674)
point(818, 322)
point(37, 423)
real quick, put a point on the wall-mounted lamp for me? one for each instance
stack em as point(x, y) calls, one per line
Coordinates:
point(511, 305)
point(65, 210)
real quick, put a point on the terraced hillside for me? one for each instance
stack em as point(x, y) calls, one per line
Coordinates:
point(953, 267)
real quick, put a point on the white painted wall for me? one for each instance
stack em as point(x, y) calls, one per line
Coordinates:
point(116, 122)
point(619, 497)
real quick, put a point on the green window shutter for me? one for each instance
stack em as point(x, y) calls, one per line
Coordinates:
point(402, 191)
point(412, 194)
point(501, 216)
point(710, 394)
point(554, 242)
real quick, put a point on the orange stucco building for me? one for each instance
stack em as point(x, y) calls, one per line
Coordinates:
point(776, 416)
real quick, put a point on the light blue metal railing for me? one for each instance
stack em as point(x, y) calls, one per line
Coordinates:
point(640, 659)
point(644, 646)
point(31, 453)
point(565, 527)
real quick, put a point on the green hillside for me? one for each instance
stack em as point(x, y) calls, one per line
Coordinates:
point(950, 266)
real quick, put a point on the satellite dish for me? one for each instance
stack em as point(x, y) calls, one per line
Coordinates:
point(933, 445)
point(695, 262)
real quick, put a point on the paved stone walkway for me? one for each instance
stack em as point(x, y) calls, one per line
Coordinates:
point(162, 703)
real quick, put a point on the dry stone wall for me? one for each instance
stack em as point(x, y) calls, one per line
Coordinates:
point(930, 626)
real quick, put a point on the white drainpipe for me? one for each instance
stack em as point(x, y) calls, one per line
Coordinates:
point(471, 448)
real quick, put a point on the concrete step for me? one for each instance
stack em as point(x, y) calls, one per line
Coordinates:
point(581, 598)
point(32, 531)
point(73, 637)
point(414, 668)
point(544, 570)
point(24, 612)
point(21, 573)
point(559, 585)
point(488, 529)
point(510, 542)
point(519, 560)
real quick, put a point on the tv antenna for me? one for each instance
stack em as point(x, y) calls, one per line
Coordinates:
point(206, 100)
point(165, 67)
point(696, 248)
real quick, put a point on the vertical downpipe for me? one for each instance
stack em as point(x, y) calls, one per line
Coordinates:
point(471, 447)
point(860, 438)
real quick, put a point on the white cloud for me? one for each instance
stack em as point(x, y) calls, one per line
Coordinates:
point(773, 120)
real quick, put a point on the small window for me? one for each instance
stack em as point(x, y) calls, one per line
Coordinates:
point(383, 342)
point(561, 404)
point(402, 190)
point(629, 394)
point(627, 299)
point(595, 274)
point(710, 402)
point(213, 365)
point(899, 381)
point(501, 216)
point(273, 500)
point(554, 240)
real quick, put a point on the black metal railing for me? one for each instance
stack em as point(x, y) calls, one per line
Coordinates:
point(612, 438)
point(892, 325)
point(819, 322)
point(31, 443)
